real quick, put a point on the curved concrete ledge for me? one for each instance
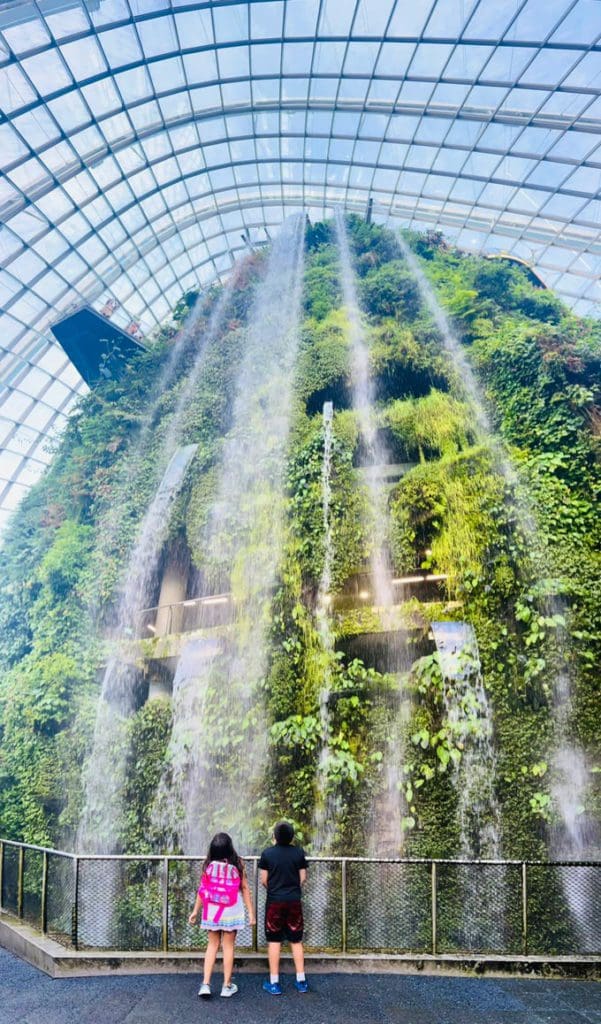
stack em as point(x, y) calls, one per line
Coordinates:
point(59, 962)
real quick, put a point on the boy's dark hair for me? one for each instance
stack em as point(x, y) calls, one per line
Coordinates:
point(284, 833)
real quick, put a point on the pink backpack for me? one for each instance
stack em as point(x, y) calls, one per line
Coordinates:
point(220, 885)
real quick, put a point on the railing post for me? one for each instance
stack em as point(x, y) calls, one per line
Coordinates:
point(44, 903)
point(344, 924)
point(2, 848)
point(255, 930)
point(433, 895)
point(75, 907)
point(20, 881)
point(165, 907)
point(524, 908)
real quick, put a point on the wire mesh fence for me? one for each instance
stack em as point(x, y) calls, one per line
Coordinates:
point(10, 879)
point(351, 905)
point(33, 867)
point(60, 898)
point(389, 906)
point(479, 908)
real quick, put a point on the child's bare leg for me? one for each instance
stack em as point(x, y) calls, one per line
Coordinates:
point(210, 955)
point(274, 950)
point(228, 941)
point(298, 955)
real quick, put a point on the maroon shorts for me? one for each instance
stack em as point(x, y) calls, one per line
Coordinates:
point(284, 921)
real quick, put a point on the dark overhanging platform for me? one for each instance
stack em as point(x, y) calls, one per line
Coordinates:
point(99, 349)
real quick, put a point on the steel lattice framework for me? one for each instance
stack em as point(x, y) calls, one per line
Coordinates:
point(141, 139)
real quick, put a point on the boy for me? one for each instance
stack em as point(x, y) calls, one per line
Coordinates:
point(283, 871)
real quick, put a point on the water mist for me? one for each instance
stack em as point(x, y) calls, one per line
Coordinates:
point(218, 750)
point(389, 805)
point(569, 767)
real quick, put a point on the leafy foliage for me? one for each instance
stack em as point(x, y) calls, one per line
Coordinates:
point(452, 513)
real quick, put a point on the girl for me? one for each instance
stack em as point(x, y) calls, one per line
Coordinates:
point(223, 893)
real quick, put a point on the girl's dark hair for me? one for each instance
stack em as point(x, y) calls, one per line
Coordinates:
point(221, 847)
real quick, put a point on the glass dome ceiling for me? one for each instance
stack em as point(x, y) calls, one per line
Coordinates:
point(141, 139)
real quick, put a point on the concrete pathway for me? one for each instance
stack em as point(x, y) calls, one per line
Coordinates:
point(29, 997)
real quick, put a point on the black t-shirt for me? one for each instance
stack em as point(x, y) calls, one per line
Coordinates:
point(283, 865)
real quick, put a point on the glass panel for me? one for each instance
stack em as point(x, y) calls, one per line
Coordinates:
point(120, 46)
point(28, 34)
point(231, 22)
point(300, 19)
point(336, 18)
point(84, 57)
point(167, 74)
point(70, 111)
point(47, 72)
point(581, 24)
point(537, 18)
point(549, 67)
point(266, 19)
point(394, 59)
point(200, 67)
point(15, 90)
point(64, 22)
point(194, 28)
point(158, 36)
point(429, 59)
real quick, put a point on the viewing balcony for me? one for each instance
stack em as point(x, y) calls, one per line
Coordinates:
point(185, 616)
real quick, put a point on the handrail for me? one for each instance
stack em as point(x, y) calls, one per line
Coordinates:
point(188, 602)
point(79, 907)
point(39, 849)
point(501, 862)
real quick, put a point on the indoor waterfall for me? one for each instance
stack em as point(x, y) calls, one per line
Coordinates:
point(103, 777)
point(104, 773)
point(217, 758)
point(469, 719)
point(571, 840)
point(327, 807)
point(133, 468)
point(389, 806)
point(374, 453)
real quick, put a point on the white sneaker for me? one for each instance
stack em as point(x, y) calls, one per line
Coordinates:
point(229, 990)
point(204, 991)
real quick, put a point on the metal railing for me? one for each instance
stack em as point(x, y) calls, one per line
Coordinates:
point(353, 905)
point(185, 616)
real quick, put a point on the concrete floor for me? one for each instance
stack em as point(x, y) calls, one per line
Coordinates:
point(29, 997)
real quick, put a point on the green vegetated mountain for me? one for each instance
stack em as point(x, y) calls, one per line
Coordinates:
point(533, 597)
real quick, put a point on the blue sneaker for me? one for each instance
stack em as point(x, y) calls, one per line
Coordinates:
point(274, 989)
point(301, 986)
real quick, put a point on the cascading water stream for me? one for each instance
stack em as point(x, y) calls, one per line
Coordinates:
point(577, 838)
point(569, 765)
point(104, 772)
point(327, 806)
point(388, 809)
point(470, 722)
point(132, 467)
point(104, 775)
point(363, 392)
point(217, 754)
point(469, 717)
